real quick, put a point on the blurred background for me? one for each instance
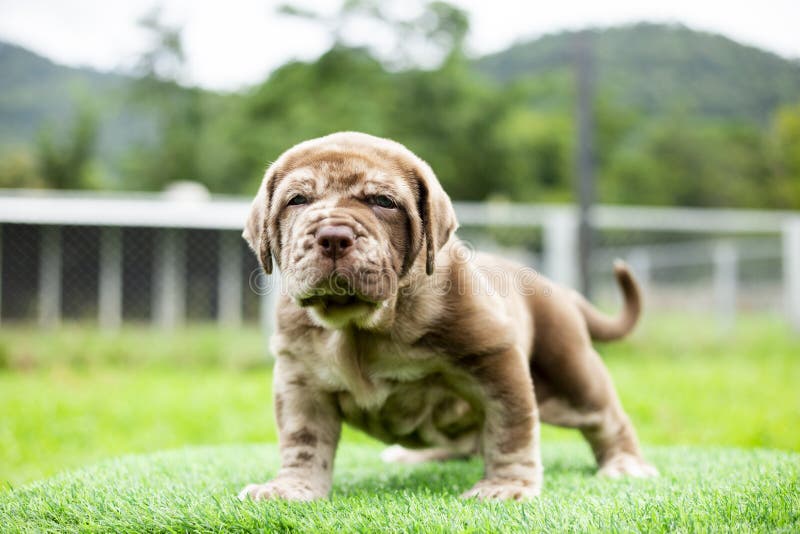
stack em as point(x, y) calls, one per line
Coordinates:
point(132, 137)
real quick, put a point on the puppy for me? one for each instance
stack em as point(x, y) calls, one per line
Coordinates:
point(389, 323)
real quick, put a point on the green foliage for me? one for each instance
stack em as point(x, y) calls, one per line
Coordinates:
point(685, 162)
point(65, 164)
point(681, 117)
point(785, 143)
point(174, 154)
point(36, 94)
point(440, 29)
point(18, 169)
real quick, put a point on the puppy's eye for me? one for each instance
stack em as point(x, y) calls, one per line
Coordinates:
point(384, 202)
point(297, 200)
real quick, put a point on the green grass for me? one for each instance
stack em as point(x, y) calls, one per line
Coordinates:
point(680, 382)
point(27, 348)
point(77, 396)
point(194, 490)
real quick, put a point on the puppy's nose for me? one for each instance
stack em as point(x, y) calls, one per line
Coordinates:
point(335, 241)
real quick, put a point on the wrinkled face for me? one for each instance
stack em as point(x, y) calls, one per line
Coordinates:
point(345, 236)
point(349, 218)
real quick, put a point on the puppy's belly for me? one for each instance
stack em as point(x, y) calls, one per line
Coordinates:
point(416, 414)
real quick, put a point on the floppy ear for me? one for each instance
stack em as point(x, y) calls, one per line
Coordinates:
point(256, 228)
point(437, 214)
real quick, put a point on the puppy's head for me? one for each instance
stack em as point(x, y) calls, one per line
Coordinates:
point(347, 218)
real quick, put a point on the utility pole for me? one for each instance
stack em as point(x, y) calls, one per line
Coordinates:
point(584, 151)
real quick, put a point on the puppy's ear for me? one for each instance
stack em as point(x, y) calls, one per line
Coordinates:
point(256, 228)
point(437, 214)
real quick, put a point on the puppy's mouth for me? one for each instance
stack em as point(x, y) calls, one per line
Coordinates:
point(338, 296)
point(338, 304)
point(331, 303)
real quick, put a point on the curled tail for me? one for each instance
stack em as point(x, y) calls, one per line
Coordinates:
point(601, 326)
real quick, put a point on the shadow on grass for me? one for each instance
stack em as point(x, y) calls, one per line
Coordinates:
point(451, 477)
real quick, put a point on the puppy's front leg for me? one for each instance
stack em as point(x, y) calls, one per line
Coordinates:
point(510, 437)
point(308, 432)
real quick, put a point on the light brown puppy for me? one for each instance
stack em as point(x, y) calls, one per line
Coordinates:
point(389, 323)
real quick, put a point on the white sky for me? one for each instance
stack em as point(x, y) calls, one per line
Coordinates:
point(237, 42)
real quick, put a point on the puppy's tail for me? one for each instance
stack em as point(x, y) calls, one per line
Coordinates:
point(601, 326)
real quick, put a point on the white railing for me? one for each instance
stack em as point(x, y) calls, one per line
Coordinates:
point(110, 211)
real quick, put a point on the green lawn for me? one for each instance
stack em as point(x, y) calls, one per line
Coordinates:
point(194, 489)
point(74, 397)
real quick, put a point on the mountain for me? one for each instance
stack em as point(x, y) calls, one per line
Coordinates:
point(36, 93)
point(724, 94)
point(658, 69)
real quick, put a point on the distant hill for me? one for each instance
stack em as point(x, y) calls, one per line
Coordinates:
point(664, 68)
point(36, 93)
point(656, 69)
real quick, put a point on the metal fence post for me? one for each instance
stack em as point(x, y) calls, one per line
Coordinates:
point(791, 270)
point(109, 305)
point(50, 276)
point(561, 246)
point(169, 289)
point(641, 264)
point(229, 284)
point(269, 288)
point(725, 282)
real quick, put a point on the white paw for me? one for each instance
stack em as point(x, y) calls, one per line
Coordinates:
point(284, 488)
point(397, 454)
point(393, 454)
point(627, 465)
point(518, 490)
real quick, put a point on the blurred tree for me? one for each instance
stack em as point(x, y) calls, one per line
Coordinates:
point(433, 35)
point(680, 161)
point(447, 115)
point(164, 60)
point(18, 169)
point(345, 89)
point(785, 157)
point(451, 119)
point(173, 155)
point(65, 163)
point(484, 139)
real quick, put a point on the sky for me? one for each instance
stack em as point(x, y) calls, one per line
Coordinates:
point(234, 43)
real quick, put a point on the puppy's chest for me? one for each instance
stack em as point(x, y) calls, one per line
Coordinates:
point(398, 393)
point(372, 372)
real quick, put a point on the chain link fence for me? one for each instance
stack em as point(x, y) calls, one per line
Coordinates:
point(169, 264)
point(168, 276)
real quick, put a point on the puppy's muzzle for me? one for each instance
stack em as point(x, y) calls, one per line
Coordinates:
point(335, 241)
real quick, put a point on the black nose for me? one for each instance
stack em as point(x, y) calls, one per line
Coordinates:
point(335, 241)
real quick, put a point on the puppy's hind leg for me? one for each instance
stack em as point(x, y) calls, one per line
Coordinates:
point(613, 441)
point(586, 399)
point(611, 435)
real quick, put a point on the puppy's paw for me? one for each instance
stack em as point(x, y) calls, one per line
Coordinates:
point(503, 489)
point(627, 465)
point(290, 489)
point(397, 454)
